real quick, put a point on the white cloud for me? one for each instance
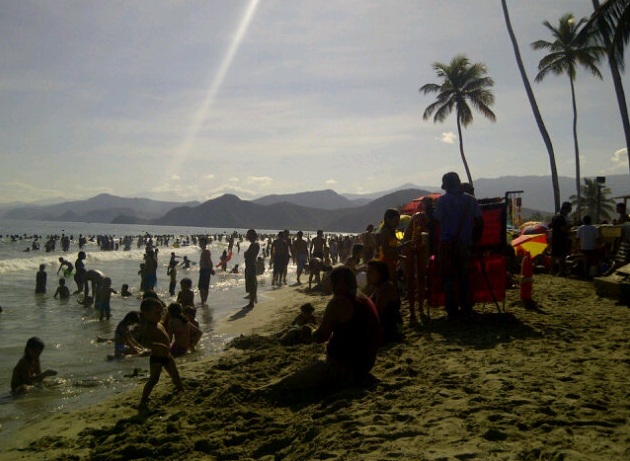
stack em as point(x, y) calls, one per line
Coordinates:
point(209, 176)
point(233, 179)
point(261, 181)
point(331, 182)
point(175, 177)
point(448, 137)
point(620, 159)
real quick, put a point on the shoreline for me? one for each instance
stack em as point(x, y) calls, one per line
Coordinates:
point(549, 382)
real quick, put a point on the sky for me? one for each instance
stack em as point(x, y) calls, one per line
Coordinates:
point(187, 100)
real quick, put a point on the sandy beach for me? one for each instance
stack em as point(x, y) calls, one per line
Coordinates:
point(544, 383)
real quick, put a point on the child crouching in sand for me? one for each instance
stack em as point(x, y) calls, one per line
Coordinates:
point(301, 330)
point(156, 338)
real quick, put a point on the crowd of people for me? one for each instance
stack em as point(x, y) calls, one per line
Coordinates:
point(357, 321)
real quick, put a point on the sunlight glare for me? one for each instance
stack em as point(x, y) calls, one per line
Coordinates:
point(217, 81)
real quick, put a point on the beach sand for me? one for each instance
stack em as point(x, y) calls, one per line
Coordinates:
point(545, 383)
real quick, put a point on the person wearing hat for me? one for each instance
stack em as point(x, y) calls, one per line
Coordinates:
point(460, 220)
point(251, 256)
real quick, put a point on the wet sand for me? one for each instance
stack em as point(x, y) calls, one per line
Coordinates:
point(546, 383)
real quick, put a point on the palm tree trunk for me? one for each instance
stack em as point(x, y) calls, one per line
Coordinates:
point(578, 210)
point(621, 96)
point(535, 110)
point(461, 151)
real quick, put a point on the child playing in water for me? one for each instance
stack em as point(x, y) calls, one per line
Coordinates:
point(40, 279)
point(124, 342)
point(186, 297)
point(156, 338)
point(178, 330)
point(69, 267)
point(62, 290)
point(185, 263)
point(28, 370)
point(102, 298)
point(195, 333)
point(124, 291)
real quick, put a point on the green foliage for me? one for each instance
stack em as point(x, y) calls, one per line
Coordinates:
point(589, 200)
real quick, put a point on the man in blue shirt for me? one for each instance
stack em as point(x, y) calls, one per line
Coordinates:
point(460, 221)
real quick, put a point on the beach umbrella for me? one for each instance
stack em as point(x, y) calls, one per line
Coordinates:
point(417, 205)
point(535, 244)
point(532, 227)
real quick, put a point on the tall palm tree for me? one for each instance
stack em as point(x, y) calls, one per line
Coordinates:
point(612, 22)
point(596, 200)
point(462, 83)
point(569, 49)
point(615, 22)
point(532, 102)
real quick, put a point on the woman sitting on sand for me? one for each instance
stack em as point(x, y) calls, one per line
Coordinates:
point(351, 327)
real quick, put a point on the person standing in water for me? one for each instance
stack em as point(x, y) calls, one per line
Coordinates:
point(40, 279)
point(251, 256)
point(205, 270)
point(80, 272)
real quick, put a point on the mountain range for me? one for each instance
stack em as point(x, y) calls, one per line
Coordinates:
point(325, 209)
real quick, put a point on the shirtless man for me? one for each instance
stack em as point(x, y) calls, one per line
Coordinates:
point(316, 257)
point(300, 253)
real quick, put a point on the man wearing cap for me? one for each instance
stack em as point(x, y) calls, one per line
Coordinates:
point(460, 221)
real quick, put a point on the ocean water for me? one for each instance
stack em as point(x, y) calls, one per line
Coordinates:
point(69, 330)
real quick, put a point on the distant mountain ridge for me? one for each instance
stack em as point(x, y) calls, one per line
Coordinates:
point(229, 211)
point(101, 208)
point(324, 209)
point(325, 199)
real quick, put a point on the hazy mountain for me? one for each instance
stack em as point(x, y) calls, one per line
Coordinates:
point(323, 199)
point(101, 208)
point(363, 199)
point(229, 211)
point(538, 190)
point(324, 209)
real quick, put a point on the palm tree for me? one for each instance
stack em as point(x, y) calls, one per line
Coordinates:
point(532, 102)
point(613, 18)
point(569, 49)
point(462, 83)
point(596, 200)
point(612, 23)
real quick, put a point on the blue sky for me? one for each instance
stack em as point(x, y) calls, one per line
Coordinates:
point(192, 99)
